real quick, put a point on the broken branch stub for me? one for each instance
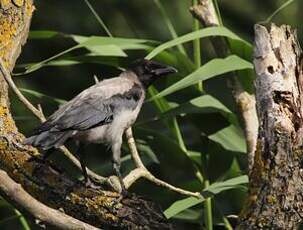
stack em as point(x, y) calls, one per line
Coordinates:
point(275, 199)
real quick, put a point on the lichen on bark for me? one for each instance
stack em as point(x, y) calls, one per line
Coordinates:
point(276, 181)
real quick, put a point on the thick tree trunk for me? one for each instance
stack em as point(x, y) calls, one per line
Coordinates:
point(275, 199)
point(44, 181)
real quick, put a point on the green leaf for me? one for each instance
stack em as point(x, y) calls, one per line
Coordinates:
point(210, 191)
point(181, 205)
point(123, 43)
point(41, 95)
point(98, 18)
point(202, 104)
point(167, 149)
point(284, 5)
point(169, 25)
point(247, 76)
point(91, 43)
point(189, 215)
point(231, 138)
point(95, 45)
point(207, 32)
point(63, 62)
point(22, 220)
point(42, 34)
point(88, 58)
point(162, 105)
point(219, 187)
point(209, 70)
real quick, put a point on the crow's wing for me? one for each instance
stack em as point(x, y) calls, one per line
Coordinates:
point(94, 106)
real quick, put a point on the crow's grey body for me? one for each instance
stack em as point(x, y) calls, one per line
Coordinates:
point(101, 113)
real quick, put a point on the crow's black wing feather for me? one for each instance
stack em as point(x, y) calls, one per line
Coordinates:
point(91, 111)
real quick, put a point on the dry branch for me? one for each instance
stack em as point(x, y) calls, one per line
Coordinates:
point(42, 214)
point(142, 172)
point(205, 12)
point(41, 181)
point(275, 199)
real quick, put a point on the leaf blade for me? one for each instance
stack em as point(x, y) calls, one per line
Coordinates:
point(212, 190)
point(206, 32)
point(209, 70)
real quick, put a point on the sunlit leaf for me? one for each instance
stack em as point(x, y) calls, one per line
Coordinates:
point(207, 32)
point(97, 45)
point(123, 43)
point(202, 104)
point(181, 205)
point(277, 11)
point(221, 186)
point(41, 95)
point(42, 34)
point(231, 138)
point(212, 190)
point(63, 62)
point(189, 215)
point(211, 69)
point(169, 25)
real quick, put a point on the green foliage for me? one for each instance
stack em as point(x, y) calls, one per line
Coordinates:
point(203, 33)
point(284, 5)
point(211, 69)
point(189, 133)
point(215, 188)
point(168, 144)
point(97, 46)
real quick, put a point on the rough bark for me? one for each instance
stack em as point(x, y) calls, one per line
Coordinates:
point(275, 199)
point(42, 180)
point(205, 12)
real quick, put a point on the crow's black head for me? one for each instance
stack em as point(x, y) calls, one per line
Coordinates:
point(148, 71)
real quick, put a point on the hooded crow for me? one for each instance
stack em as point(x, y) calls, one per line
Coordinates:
point(101, 113)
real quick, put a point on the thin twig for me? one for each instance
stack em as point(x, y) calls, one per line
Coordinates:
point(98, 18)
point(142, 171)
point(96, 79)
point(23, 99)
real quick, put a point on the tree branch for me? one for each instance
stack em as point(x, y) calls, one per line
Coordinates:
point(275, 199)
point(16, 195)
point(142, 171)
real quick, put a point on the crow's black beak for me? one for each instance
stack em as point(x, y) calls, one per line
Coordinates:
point(165, 70)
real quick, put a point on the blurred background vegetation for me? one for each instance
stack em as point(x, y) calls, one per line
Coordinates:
point(186, 139)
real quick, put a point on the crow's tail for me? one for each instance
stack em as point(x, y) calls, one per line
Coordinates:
point(48, 139)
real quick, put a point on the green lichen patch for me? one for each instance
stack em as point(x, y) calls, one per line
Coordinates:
point(8, 125)
point(18, 3)
point(5, 4)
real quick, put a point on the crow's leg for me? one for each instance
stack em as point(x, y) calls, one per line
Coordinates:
point(82, 156)
point(47, 154)
point(116, 149)
point(91, 181)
